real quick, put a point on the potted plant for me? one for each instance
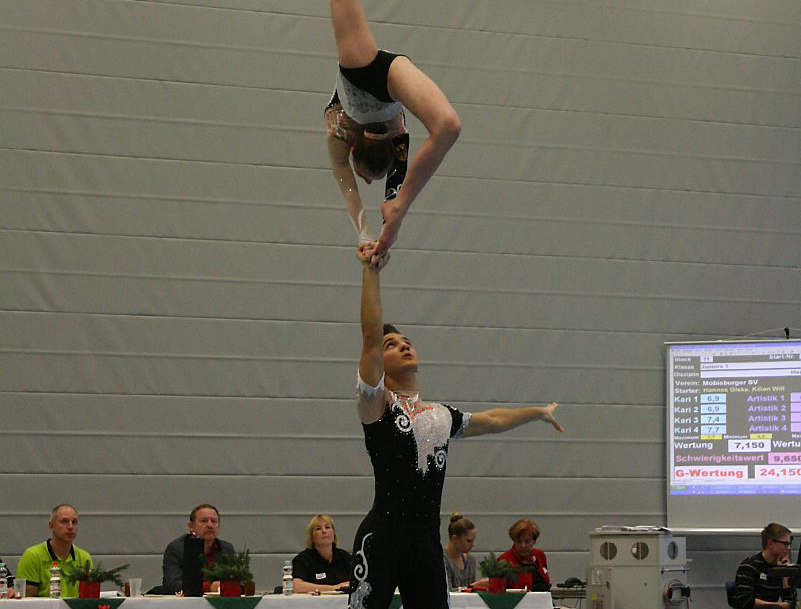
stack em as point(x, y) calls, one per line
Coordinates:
point(498, 571)
point(89, 578)
point(230, 571)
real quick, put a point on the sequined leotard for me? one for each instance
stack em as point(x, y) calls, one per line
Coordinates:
point(398, 542)
point(408, 448)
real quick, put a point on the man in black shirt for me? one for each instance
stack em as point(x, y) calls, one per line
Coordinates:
point(754, 586)
point(407, 439)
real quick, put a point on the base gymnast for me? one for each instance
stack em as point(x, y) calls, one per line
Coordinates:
point(365, 118)
point(397, 544)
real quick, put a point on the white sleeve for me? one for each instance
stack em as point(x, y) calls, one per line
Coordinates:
point(466, 417)
point(368, 397)
point(365, 390)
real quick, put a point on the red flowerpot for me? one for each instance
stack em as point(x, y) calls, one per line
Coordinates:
point(497, 584)
point(249, 588)
point(89, 589)
point(230, 589)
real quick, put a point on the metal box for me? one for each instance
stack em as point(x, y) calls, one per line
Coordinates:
point(636, 568)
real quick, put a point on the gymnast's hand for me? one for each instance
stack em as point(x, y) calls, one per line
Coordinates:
point(548, 416)
point(366, 255)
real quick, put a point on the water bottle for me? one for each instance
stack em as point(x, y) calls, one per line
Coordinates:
point(288, 584)
point(55, 581)
point(3, 580)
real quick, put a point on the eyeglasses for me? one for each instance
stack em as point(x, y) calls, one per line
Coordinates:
point(786, 544)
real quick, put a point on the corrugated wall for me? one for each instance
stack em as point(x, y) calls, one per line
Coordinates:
point(178, 306)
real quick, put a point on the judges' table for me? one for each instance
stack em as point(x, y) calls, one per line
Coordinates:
point(459, 600)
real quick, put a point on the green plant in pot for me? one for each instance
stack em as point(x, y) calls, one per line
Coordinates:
point(231, 571)
point(90, 577)
point(498, 571)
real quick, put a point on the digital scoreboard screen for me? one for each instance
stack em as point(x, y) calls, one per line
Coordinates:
point(734, 419)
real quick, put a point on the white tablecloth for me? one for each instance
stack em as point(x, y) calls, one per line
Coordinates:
point(459, 600)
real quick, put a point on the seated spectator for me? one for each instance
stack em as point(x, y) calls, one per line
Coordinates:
point(204, 523)
point(460, 567)
point(532, 563)
point(754, 586)
point(322, 566)
point(36, 562)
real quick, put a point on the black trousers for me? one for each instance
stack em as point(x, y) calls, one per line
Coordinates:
point(389, 555)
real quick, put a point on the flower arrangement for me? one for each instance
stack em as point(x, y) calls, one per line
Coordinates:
point(228, 567)
point(89, 578)
point(88, 573)
point(498, 572)
point(493, 567)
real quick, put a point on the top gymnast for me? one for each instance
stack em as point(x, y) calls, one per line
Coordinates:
point(365, 117)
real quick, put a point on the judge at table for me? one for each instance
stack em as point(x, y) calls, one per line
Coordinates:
point(204, 523)
point(531, 562)
point(322, 566)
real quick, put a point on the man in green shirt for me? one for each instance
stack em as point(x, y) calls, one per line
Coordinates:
point(36, 562)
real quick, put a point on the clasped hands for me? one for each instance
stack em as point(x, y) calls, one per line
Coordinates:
point(376, 253)
point(369, 254)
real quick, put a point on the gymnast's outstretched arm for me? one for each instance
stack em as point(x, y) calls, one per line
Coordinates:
point(423, 98)
point(497, 420)
point(338, 154)
point(371, 363)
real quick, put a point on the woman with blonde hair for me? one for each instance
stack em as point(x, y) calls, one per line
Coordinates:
point(322, 566)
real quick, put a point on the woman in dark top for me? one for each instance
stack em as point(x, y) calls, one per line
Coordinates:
point(322, 566)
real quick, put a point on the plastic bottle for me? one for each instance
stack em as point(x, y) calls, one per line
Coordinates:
point(287, 580)
point(3, 580)
point(55, 581)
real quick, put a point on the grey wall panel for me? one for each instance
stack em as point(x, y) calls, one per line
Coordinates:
point(522, 308)
point(282, 531)
point(188, 414)
point(108, 213)
point(158, 105)
point(682, 25)
point(270, 415)
point(244, 495)
point(177, 274)
point(210, 260)
point(102, 207)
point(156, 374)
point(254, 340)
point(169, 453)
point(245, 145)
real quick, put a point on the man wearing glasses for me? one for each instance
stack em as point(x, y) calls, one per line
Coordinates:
point(754, 586)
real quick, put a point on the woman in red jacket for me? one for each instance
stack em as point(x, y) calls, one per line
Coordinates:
point(532, 564)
